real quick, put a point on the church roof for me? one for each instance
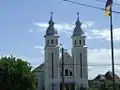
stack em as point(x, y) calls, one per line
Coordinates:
point(39, 68)
point(67, 59)
point(78, 30)
point(66, 54)
point(51, 30)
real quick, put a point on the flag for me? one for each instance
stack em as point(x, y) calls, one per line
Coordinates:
point(108, 7)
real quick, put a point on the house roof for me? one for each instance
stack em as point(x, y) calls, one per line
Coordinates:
point(100, 77)
point(109, 76)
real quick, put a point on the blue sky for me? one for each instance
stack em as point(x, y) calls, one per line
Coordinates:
point(23, 24)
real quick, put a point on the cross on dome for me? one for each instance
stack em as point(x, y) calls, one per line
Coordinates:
point(51, 15)
point(78, 23)
point(51, 23)
point(77, 15)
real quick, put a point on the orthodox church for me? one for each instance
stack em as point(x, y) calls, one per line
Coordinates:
point(49, 73)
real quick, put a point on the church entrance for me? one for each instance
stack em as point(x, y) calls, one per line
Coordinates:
point(68, 86)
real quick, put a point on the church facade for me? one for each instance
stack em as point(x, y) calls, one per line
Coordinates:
point(49, 74)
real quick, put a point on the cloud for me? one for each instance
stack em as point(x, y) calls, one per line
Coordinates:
point(95, 56)
point(99, 60)
point(105, 33)
point(88, 28)
point(64, 27)
point(117, 1)
point(39, 47)
point(30, 30)
point(87, 24)
point(102, 56)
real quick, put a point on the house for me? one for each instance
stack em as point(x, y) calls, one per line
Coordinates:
point(105, 81)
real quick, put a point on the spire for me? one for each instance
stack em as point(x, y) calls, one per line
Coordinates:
point(78, 23)
point(78, 29)
point(51, 30)
point(51, 23)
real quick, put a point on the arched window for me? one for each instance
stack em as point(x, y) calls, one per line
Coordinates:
point(70, 73)
point(52, 65)
point(36, 82)
point(80, 42)
point(61, 73)
point(43, 88)
point(66, 72)
point(52, 41)
point(75, 42)
point(81, 65)
point(84, 42)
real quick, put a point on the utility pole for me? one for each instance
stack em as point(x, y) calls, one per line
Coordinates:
point(112, 47)
point(62, 49)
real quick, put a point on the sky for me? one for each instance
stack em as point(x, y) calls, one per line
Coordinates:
point(23, 24)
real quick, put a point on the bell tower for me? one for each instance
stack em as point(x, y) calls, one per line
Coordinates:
point(51, 57)
point(79, 53)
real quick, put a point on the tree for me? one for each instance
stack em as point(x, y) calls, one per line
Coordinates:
point(16, 74)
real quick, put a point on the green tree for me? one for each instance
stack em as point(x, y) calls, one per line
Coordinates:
point(16, 74)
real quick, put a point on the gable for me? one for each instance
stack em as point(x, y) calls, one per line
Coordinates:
point(40, 68)
point(67, 59)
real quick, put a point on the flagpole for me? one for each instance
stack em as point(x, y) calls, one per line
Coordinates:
point(112, 48)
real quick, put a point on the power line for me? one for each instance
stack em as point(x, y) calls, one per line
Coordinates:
point(94, 64)
point(105, 1)
point(90, 6)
